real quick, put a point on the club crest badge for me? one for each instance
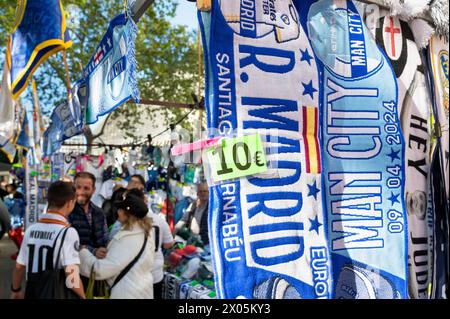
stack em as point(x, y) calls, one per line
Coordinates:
point(392, 37)
point(349, 56)
point(276, 288)
point(256, 19)
point(360, 283)
point(116, 79)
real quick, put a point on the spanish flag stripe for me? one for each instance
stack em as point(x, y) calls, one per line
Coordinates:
point(316, 140)
point(311, 141)
point(305, 137)
point(310, 129)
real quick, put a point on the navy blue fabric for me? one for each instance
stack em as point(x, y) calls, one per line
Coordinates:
point(94, 236)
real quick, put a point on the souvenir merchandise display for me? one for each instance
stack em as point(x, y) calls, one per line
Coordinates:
point(188, 271)
point(311, 163)
point(301, 70)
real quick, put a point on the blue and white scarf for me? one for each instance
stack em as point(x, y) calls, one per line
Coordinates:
point(65, 123)
point(23, 140)
point(7, 107)
point(363, 154)
point(110, 73)
point(396, 38)
point(32, 191)
point(268, 233)
point(438, 73)
point(57, 161)
point(439, 68)
point(7, 116)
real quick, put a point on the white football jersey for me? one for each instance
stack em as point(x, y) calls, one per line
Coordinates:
point(39, 239)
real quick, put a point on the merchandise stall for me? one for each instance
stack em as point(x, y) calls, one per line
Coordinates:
point(325, 151)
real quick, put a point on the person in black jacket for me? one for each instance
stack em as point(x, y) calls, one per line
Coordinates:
point(88, 219)
point(196, 216)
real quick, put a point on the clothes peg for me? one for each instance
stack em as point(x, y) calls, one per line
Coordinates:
point(204, 5)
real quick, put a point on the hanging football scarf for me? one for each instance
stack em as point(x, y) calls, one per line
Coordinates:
point(23, 139)
point(57, 161)
point(267, 233)
point(65, 124)
point(39, 32)
point(438, 68)
point(38, 126)
point(7, 116)
point(438, 55)
point(79, 101)
point(6, 108)
point(9, 149)
point(439, 205)
point(31, 184)
point(110, 73)
point(362, 155)
point(44, 181)
point(415, 117)
point(397, 40)
point(414, 105)
point(52, 139)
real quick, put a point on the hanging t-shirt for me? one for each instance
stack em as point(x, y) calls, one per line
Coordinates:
point(152, 154)
point(132, 161)
point(162, 235)
point(176, 189)
point(70, 163)
point(132, 156)
point(165, 156)
point(152, 173)
point(156, 199)
point(119, 158)
point(40, 238)
point(147, 152)
point(189, 174)
point(110, 159)
point(190, 191)
point(141, 169)
point(199, 175)
point(94, 167)
point(107, 187)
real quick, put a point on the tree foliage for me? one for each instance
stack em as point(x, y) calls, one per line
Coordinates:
point(166, 55)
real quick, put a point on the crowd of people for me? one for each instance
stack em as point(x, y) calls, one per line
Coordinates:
point(12, 212)
point(120, 244)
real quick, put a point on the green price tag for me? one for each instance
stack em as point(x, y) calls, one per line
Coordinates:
point(237, 157)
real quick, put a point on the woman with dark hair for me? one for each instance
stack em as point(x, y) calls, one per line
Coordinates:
point(162, 237)
point(108, 206)
point(127, 266)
